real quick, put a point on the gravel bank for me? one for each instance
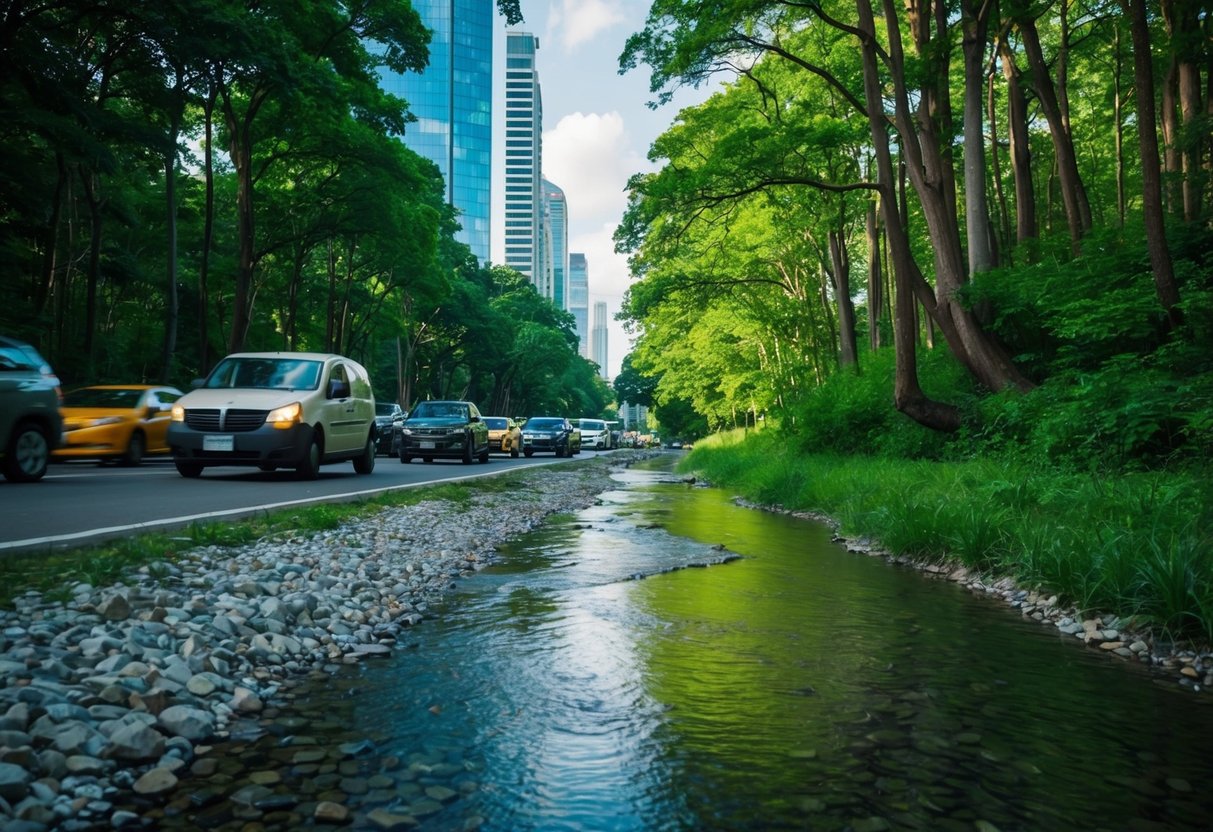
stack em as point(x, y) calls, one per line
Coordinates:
point(109, 698)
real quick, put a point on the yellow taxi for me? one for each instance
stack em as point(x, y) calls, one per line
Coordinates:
point(505, 436)
point(122, 422)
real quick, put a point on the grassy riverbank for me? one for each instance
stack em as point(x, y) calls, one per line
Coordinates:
point(1136, 544)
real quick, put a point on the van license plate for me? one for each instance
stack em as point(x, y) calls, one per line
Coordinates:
point(426, 445)
point(218, 443)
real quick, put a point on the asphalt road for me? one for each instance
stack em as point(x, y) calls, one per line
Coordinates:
point(79, 503)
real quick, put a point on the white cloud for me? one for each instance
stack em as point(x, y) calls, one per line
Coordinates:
point(574, 22)
point(590, 157)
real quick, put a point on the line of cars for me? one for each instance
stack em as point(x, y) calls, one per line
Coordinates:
point(269, 410)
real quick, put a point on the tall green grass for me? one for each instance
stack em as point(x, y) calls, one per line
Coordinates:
point(1135, 545)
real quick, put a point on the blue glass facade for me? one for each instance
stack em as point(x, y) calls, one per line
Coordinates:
point(579, 300)
point(453, 102)
point(558, 222)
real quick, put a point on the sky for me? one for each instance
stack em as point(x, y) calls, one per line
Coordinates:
point(597, 131)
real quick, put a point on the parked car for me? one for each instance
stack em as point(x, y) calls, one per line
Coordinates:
point(444, 429)
point(30, 423)
point(594, 434)
point(276, 410)
point(550, 433)
point(389, 417)
point(116, 422)
point(505, 436)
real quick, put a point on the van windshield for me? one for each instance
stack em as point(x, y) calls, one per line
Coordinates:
point(266, 374)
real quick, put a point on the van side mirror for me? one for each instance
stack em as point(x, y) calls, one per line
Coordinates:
point(338, 389)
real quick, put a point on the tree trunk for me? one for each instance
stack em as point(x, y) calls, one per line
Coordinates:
point(976, 19)
point(93, 276)
point(1168, 120)
point(930, 174)
point(1021, 148)
point(848, 354)
point(1189, 45)
point(240, 130)
point(1000, 195)
point(1119, 119)
point(875, 278)
point(171, 302)
point(908, 396)
point(1073, 194)
point(208, 233)
point(1151, 184)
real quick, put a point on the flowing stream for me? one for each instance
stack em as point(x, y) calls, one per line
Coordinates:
point(667, 660)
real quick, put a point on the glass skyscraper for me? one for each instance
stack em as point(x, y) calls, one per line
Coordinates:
point(579, 300)
point(453, 102)
point(524, 220)
point(558, 223)
point(599, 350)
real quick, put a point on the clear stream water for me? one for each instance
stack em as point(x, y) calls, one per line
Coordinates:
point(595, 680)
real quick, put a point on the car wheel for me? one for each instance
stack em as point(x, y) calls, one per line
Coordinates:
point(189, 470)
point(427, 459)
point(28, 454)
point(405, 459)
point(267, 467)
point(134, 450)
point(527, 453)
point(365, 464)
point(484, 455)
point(309, 466)
point(467, 451)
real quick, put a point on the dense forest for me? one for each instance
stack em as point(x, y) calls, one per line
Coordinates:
point(184, 179)
point(925, 228)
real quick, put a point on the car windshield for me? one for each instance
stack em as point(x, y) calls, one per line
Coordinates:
point(495, 422)
point(266, 374)
point(542, 423)
point(440, 410)
point(593, 424)
point(103, 397)
point(385, 409)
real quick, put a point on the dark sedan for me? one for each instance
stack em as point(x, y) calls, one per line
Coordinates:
point(389, 417)
point(450, 429)
point(551, 434)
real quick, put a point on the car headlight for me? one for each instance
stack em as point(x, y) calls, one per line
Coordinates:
point(285, 417)
point(177, 414)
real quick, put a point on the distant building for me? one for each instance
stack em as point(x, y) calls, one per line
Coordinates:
point(453, 101)
point(579, 300)
point(524, 220)
point(558, 227)
point(598, 336)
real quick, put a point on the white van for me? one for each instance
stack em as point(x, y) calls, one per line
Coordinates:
point(594, 434)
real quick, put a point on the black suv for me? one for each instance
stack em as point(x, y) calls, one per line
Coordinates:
point(550, 433)
point(30, 423)
point(454, 430)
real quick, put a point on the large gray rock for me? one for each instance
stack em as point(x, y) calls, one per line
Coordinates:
point(136, 741)
point(187, 721)
point(14, 782)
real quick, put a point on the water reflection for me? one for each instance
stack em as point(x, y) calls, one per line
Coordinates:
point(591, 681)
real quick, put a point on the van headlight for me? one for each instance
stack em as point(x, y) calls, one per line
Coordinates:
point(285, 417)
point(177, 414)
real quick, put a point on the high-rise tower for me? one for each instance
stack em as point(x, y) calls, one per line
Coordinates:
point(523, 159)
point(453, 101)
point(579, 300)
point(558, 224)
point(599, 351)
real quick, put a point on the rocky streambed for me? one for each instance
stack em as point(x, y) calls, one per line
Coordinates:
point(110, 698)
